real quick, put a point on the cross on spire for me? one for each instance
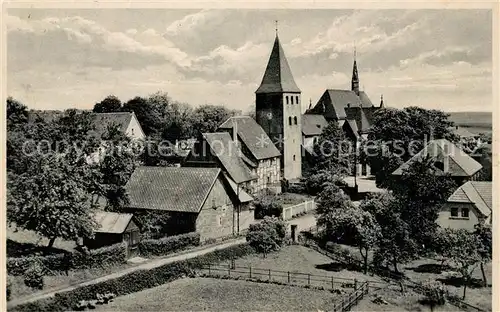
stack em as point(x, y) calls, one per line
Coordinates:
point(276, 22)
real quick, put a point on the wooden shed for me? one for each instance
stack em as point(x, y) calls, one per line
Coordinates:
point(114, 228)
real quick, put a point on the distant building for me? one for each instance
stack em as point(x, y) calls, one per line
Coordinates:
point(113, 228)
point(312, 127)
point(127, 122)
point(469, 205)
point(448, 159)
point(279, 112)
point(258, 153)
point(197, 199)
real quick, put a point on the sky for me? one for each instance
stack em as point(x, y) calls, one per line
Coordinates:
point(61, 58)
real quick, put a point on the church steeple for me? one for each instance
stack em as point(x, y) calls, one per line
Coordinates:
point(355, 78)
point(278, 75)
point(381, 100)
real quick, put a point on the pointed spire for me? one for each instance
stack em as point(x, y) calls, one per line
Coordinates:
point(310, 103)
point(355, 78)
point(381, 100)
point(278, 75)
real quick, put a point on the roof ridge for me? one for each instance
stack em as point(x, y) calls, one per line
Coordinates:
point(480, 196)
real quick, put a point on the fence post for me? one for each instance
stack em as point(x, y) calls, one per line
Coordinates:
point(269, 274)
point(250, 270)
point(332, 282)
point(309, 279)
point(288, 277)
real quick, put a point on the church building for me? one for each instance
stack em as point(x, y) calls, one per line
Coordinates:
point(278, 111)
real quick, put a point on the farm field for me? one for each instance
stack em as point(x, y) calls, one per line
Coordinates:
point(206, 294)
point(472, 119)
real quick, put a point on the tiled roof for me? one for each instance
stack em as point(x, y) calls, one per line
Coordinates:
point(253, 136)
point(365, 100)
point(243, 196)
point(103, 120)
point(223, 147)
point(182, 189)
point(313, 124)
point(461, 164)
point(112, 222)
point(359, 115)
point(278, 76)
point(479, 193)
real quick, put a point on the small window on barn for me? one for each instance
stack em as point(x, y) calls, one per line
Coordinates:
point(286, 97)
point(214, 206)
point(290, 121)
point(465, 212)
point(454, 212)
point(295, 120)
point(132, 131)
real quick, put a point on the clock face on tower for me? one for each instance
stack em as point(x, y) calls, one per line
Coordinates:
point(269, 115)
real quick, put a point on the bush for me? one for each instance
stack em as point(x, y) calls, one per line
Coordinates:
point(168, 245)
point(267, 236)
point(134, 281)
point(435, 293)
point(54, 264)
point(33, 277)
point(268, 205)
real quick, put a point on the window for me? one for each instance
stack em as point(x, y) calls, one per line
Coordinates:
point(295, 120)
point(297, 99)
point(290, 121)
point(465, 212)
point(132, 130)
point(291, 99)
point(293, 157)
point(220, 220)
point(454, 212)
point(286, 97)
point(268, 179)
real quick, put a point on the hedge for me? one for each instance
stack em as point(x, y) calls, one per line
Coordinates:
point(54, 264)
point(134, 281)
point(168, 245)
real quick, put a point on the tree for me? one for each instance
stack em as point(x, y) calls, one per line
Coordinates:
point(435, 293)
point(316, 181)
point(484, 235)
point(421, 192)
point(395, 244)
point(110, 104)
point(149, 115)
point(17, 113)
point(268, 205)
point(332, 151)
point(463, 250)
point(208, 118)
point(268, 235)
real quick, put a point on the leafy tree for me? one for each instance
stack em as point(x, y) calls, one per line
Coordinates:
point(17, 113)
point(208, 118)
point(316, 181)
point(268, 205)
point(463, 250)
point(332, 151)
point(110, 104)
point(396, 244)
point(153, 224)
point(421, 192)
point(268, 235)
point(484, 235)
point(435, 293)
point(149, 114)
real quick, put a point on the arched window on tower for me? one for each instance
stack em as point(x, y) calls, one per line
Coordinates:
point(286, 97)
point(290, 121)
point(295, 120)
point(291, 98)
point(297, 99)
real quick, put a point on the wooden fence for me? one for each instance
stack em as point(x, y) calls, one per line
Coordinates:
point(291, 211)
point(347, 302)
point(289, 277)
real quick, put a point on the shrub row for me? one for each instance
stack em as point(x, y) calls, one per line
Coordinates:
point(134, 281)
point(54, 264)
point(168, 245)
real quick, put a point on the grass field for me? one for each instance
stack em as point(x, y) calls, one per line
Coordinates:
point(206, 294)
point(472, 119)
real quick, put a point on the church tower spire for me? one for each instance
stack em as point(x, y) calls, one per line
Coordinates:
point(279, 111)
point(381, 101)
point(355, 78)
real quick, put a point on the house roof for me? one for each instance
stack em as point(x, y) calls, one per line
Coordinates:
point(365, 100)
point(103, 120)
point(253, 136)
point(479, 193)
point(461, 164)
point(112, 222)
point(278, 75)
point(182, 189)
point(313, 124)
point(243, 196)
point(228, 153)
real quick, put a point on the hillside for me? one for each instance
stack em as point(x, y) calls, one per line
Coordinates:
point(472, 119)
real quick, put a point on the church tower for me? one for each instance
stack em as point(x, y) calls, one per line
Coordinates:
point(278, 111)
point(355, 78)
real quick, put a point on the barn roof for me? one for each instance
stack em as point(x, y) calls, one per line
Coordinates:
point(182, 189)
point(112, 222)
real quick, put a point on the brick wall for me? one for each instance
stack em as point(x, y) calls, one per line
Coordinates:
point(445, 219)
point(218, 222)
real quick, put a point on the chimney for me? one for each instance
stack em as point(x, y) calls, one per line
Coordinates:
point(446, 159)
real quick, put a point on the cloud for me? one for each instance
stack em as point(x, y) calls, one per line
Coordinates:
point(191, 23)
